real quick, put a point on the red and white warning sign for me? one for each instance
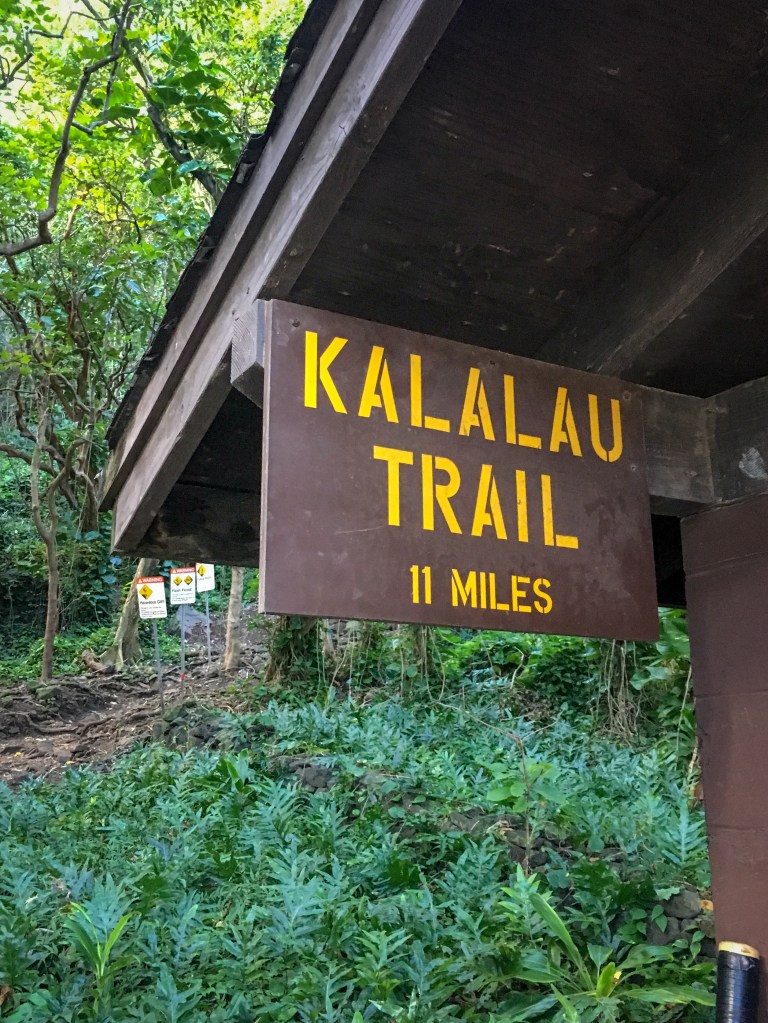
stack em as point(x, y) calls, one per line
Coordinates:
point(206, 577)
point(150, 591)
point(183, 585)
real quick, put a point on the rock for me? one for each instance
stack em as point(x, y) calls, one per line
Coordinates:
point(517, 853)
point(553, 834)
point(538, 858)
point(307, 772)
point(708, 949)
point(516, 836)
point(707, 925)
point(469, 823)
point(658, 937)
point(375, 779)
point(686, 905)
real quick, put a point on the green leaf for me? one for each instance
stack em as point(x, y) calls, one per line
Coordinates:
point(510, 790)
point(673, 994)
point(533, 1005)
point(642, 955)
point(558, 929)
point(606, 981)
point(192, 165)
point(598, 954)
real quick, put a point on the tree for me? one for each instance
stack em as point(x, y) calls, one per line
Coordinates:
point(119, 125)
point(232, 643)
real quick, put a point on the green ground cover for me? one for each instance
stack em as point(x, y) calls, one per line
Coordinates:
point(430, 855)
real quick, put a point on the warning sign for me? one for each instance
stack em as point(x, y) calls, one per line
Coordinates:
point(151, 594)
point(206, 578)
point(183, 585)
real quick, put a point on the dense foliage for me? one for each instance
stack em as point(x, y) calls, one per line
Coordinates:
point(119, 125)
point(424, 856)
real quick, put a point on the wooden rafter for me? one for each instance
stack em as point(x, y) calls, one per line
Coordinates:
point(162, 435)
point(700, 232)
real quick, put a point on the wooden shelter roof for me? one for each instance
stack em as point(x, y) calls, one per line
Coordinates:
point(583, 184)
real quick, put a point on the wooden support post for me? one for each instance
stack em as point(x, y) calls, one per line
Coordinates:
point(726, 560)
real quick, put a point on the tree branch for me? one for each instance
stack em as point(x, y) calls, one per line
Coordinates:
point(14, 452)
point(175, 148)
point(8, 76)
point(44, 217)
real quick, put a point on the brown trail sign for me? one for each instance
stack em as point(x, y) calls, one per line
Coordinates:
point(409, 478)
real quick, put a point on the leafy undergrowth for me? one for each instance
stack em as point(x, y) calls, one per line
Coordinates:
point(348, 863)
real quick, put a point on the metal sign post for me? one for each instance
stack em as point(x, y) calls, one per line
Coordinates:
point(183, 593)
point(150, 593)
point(206, 581)
point(158, 667)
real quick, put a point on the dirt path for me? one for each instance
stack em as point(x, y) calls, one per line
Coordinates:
point(92, 718)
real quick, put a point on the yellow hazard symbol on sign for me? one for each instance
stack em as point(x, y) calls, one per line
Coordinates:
point(177, 580)
point(145, 591)
point(188, 579)
point(201, 570)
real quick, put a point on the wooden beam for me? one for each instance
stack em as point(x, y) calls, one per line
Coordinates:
point(739, 441)
point(699, 233)
point(397, 44)
point(325, 68)
point(205, 524)
point(677, 447)
point(248, 355)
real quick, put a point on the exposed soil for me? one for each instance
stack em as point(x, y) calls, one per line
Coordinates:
point(91, 718)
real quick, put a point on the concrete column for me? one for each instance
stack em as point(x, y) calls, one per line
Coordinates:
point(726, 563)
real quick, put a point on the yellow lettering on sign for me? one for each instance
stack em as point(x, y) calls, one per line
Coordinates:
point(525, 440)
point(594, 428)
point(377, 389)
point(417, 413)
point(551, 538)
point(439, 492)
point(464, 592)
point(540, 587)
point(564, 425)
point(487, 506)
point(475, 411)
point(318, 370)
point(394, 459)
point(518, 594)
point(495, 604)
point(522, 505)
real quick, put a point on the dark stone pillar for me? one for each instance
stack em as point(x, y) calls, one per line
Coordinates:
point(726, 564)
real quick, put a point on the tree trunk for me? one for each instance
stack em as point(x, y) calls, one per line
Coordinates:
point(234, 625)
point(52, 605)
point(47, 532)
point(125, 648)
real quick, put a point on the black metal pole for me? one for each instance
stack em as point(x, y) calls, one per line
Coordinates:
point(738, 975)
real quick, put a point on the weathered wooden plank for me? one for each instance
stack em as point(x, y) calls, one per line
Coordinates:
point(326, 65)
point(739, 430)
point(390, 56)
point(677, 451)
point(701, 231)
point(248, 355)
point(185, 421)
point(205, 524)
